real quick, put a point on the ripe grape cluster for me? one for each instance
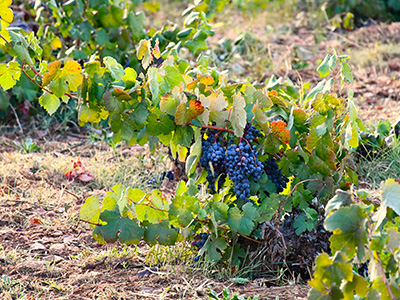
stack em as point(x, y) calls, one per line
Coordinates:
point(213, 160)
point(275, 175)
point(239, 161)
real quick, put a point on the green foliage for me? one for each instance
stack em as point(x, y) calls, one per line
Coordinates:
point(362, 234)
point(172, 102)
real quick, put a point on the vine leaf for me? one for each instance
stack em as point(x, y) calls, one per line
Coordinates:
point(116, 70)
point(72, 74)
point(130, 75)
point(184, 115)
point(50, 102)
point(143, 53)
point(168, 104)
point(9, 75)
point(160, 233)
point(238, 118)
point(7, 17)
point(181, 210)
point(390, 198)
point(118, 227)
point(331, 271)
point(53, 72)
point(358, 284)
point(156, 125)
point(243, 223)
point(173, 77)
point(211, 248)
point(349, 231)
point(90, 210)
point(6, 13)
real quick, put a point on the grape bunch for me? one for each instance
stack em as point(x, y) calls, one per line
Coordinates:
point(239, 161)
point(275, 175)
point(199, 240)
point(213, 160)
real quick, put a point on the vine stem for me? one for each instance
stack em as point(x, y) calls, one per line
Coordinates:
point(278, 213)
point(36, 72)
point(382, 271)
point(42, 87)
point(222, 129)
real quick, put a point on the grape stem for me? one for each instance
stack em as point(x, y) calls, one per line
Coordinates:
point(91, 223)
point(278, 213)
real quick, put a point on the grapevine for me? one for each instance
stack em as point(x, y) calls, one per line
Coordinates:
point(248, 140)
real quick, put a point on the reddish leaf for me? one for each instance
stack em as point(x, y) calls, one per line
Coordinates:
point(86, 177)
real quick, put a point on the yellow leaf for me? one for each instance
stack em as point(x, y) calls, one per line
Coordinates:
point(205, 79)
point(130, 75)
point(72, 74)
point(9, 75)
point(86, 114)
point(6, 13)
point(53, 72)
point(56, 43)
point(4, 32)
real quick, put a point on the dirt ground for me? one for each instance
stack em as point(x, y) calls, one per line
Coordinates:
point(47, 253)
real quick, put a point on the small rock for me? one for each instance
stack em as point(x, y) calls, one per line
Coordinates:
point(31, 265)
point(54, 258)
point(57, 248)
point(37, 246)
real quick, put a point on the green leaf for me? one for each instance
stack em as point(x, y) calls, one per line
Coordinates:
point(323, 69)
point(156, 125)
point(391, 195)
point(118, 227)
point(342, 198)
point(182, 209)
point(349, 227)
point(173, 76)
point(22, 52)
point(87, 114)
point(49, 102)
point(346, 71)
point(358, 285)
point(160, 233)
point(154, 87)
point(243, 223)
point(212, 247)
point(168, 104)
point(183, 136)
point(116, 70)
